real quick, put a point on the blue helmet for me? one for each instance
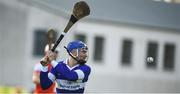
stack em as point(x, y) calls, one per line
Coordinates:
point(77, 44)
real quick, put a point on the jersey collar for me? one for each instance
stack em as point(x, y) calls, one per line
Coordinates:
point(70, 68)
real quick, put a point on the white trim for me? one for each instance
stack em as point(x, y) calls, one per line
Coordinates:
point(80, 74)
point(54, 63)
point(65, 61)
point(51, 76)
point(44, 68)
point(70, 68)
point(70, 85)
point(63, 33)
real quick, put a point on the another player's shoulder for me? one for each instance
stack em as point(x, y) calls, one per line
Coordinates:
point(37, 66)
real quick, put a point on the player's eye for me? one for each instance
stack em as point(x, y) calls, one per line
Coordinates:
point(84, 48)
point(84, 51)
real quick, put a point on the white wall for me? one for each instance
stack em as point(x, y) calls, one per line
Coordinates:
point(111, 76)
point(13, 18)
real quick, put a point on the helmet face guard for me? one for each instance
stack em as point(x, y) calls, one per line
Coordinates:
point(83, 51)
point(81, 48)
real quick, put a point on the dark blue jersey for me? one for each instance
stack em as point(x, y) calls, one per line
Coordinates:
point(69, 80)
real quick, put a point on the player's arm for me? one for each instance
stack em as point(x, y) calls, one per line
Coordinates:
point(73, 75)
point(47, 78)
point(86, 70)
point(36, 77)
point(36, 74)
point(79, 74)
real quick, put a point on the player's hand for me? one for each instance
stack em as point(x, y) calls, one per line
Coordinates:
point(51, 56)
point(44, 61)
point(48, 58)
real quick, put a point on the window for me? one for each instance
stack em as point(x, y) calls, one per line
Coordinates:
point(152, 52)
point(169, 54)
point(126, 52)
point(98, 48)
point(80, 37)
point(40, 41)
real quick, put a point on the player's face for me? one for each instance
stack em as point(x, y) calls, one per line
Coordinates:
point(83, 54)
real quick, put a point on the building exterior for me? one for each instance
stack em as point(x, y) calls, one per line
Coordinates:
point(119, 42)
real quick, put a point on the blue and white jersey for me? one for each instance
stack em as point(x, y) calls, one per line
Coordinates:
point(69, 80)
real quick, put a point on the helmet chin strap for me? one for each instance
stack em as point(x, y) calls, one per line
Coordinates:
point(79, 61)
